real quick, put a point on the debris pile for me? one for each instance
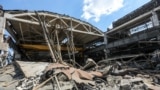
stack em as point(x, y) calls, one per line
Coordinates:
point(126, 75)
point(62, 77)
point(132, 74)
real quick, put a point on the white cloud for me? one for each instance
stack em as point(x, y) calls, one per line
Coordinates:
point(94, 9)
point(110, 26)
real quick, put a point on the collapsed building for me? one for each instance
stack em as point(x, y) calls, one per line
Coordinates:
point(54, 51)
point(138, 30)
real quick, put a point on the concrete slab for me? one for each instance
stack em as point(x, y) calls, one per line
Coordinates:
point(4, 46)
point(32, 68)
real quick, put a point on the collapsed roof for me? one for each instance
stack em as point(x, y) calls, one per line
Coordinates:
point(25, 29)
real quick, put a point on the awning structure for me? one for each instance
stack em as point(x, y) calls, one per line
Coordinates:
point(27, 32)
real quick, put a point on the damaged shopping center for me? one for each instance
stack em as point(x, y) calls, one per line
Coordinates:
point(49, 51)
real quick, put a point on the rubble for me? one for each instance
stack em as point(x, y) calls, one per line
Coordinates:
point(64, 77)
point(9, 77)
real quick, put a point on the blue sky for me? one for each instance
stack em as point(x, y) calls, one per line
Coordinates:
point(100, 13)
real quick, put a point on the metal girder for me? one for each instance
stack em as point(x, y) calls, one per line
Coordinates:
point(22, 20)
point(79, 31)
point(16, 17)
point(36, 23)
point(45, 47)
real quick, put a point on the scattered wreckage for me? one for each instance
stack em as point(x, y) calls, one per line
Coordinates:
point(93, 76)
point(62, 77)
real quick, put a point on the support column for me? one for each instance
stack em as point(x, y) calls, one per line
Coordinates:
point(155, 19)
point(2, 25)
point(105, 42)
point(3, 43)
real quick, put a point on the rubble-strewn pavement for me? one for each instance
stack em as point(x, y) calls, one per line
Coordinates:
point(22, 75)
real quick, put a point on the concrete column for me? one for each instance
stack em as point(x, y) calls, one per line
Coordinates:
point(105, 42)
point(155, 19)
point(2, 24)
point(2, 28)
point(3, 44)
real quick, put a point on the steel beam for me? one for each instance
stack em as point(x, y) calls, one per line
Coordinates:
point(45, 47)
point(36, 23)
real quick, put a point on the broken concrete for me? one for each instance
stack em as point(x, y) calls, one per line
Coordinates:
point(56, 75)
point(8, 77)
point(30, 69)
